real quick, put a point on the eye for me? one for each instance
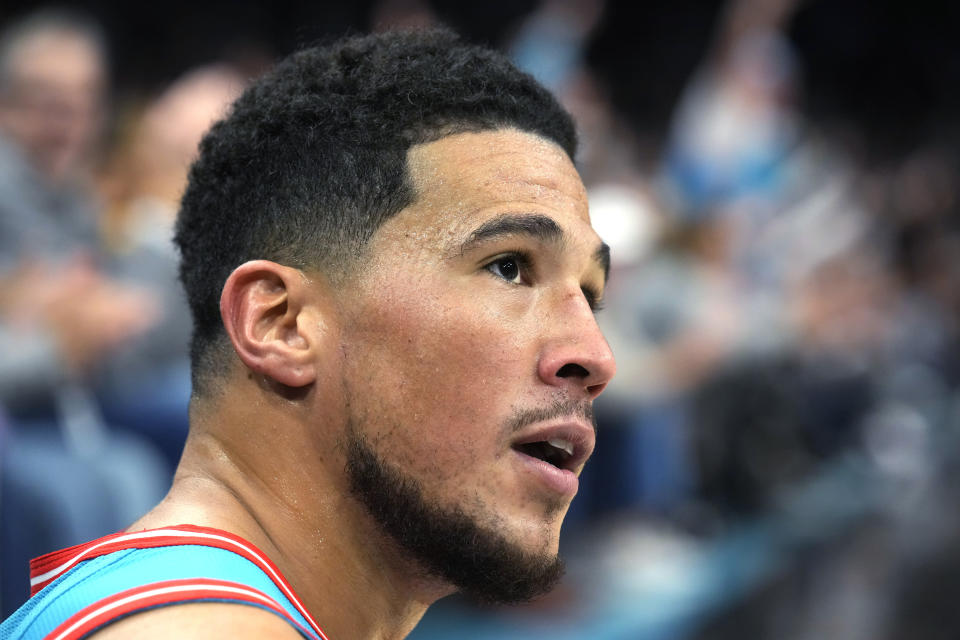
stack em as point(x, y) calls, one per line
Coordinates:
point(594, 299)
point(510, 267)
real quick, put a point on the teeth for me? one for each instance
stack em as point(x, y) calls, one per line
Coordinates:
point(561, 444)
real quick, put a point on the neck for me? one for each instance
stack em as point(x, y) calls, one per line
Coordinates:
point(294, 504)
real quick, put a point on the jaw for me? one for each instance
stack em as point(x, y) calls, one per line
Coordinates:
point(494, 556)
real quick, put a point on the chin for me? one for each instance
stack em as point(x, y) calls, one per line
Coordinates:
point(475, 551)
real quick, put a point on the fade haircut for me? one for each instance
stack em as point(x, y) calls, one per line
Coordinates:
point(312, 158)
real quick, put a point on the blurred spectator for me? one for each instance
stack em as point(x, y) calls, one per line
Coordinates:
point(63, 310)
point(52, 76)
point(145, 384)
point(550, 43)
point(64, 476)
point(735, 126)
point(147, 172)
point(143, 180)
point(736, 121)
point(921, 201)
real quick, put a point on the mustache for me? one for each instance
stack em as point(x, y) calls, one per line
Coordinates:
point(558, 409)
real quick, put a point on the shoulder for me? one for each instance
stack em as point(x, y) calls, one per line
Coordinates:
point(200, 620)
point(169, 590)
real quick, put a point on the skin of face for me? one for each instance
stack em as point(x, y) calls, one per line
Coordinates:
point(54, 107)
point(453, 338)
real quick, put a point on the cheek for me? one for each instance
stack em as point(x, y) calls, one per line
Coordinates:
point(440, 376)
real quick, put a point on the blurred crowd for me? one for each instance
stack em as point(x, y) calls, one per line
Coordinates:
point(94, 381)
point(778, 454)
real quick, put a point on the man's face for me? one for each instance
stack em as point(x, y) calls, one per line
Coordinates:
point(472, 354)
point(53, 108)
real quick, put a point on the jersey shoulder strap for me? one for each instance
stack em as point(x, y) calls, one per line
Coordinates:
point(83, 588)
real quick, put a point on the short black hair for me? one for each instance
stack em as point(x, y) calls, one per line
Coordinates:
point(312, 158)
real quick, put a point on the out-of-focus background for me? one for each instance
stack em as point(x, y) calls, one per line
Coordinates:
point(778, 456)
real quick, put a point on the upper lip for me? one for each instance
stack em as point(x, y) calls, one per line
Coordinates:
point(579, 433)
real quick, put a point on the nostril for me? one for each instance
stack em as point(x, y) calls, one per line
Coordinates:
point(572, 370)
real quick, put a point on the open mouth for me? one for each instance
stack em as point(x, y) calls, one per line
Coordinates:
point(555, 451)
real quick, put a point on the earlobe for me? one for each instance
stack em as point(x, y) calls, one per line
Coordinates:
point(263, 305)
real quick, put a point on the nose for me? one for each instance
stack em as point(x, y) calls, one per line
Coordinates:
point(576, 356)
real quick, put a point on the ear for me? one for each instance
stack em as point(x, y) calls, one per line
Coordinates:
point(264, 306)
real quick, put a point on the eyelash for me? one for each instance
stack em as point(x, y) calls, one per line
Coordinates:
point(593, 299)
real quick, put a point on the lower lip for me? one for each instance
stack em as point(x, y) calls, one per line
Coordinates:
point(561, 481)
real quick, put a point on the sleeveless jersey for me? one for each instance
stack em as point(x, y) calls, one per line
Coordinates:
point(78, 590)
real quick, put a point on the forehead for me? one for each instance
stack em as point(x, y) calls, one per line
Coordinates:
point(463, 178)
point(57, 57)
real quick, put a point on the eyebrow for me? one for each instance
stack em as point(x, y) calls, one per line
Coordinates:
point(536, 226)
